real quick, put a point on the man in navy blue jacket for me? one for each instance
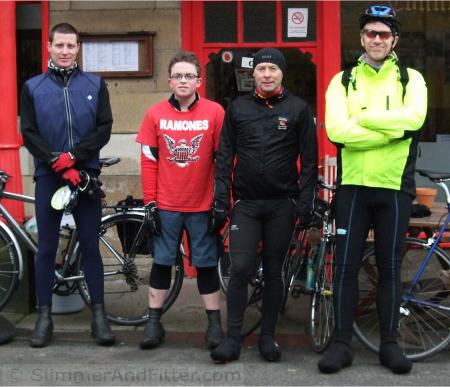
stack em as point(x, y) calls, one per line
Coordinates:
point(65, 120)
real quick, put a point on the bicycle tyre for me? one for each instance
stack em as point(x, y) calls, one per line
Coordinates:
point(253, 312)
point(321, 308)
point(9, 268)
point(423, 329)
point(126, 303)
point(224, 270)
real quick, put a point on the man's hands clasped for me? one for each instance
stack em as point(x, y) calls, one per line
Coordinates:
point(152, 219)
point(64, 161)
point(72, 176)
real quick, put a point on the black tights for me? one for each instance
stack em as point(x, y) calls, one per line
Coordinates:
point(253, 221)
point(357, 210)
point(87, 215)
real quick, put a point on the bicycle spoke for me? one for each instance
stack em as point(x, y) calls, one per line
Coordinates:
point(127, 265)
point(424, 323)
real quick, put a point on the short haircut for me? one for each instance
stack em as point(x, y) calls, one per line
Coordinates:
point(188, 57)
point(63, 28)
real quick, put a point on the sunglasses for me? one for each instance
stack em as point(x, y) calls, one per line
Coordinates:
point(372, 34)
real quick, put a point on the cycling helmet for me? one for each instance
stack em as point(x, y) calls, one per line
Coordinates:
point(382, 13)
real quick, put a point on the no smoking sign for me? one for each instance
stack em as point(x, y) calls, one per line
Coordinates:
point(298, 18)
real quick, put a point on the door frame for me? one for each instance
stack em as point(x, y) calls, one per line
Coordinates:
point(325, 51)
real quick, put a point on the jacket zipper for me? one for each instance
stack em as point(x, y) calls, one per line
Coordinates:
point(68, 112)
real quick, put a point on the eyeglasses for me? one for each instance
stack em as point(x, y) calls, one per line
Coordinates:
point(178, 77)
point(372, 34)
point(382, 11)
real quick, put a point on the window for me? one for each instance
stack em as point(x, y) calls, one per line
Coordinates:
point(260, 21)
point(220, 22)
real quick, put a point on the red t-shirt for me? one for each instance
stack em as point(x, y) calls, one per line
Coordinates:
point(182, 178)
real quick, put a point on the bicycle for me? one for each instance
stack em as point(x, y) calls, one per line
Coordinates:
point(126, 262)
point(126, 251)
point(424, 323)
point(321, 308)
point(293, 267)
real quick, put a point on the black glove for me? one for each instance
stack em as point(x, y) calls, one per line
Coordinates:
point(304, 218)
point(94, 191)
point(217, 220)
point(152, 219)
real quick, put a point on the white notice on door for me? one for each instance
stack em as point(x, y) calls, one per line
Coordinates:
point(297, 26)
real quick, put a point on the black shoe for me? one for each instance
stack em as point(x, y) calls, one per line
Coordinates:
point(227, 350)
point(154, 331)
point(391, 356)
point(214, 334)
point(100, 329)
point(269, 348)
point(338, 356)
point(43, 329)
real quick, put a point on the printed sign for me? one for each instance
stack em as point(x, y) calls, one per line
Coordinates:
point(247, 62)
point(297, 26)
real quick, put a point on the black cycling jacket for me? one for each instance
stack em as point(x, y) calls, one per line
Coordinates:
point(260, 143)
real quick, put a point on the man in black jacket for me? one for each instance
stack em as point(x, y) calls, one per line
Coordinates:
point(65, 120)
point(265, 133)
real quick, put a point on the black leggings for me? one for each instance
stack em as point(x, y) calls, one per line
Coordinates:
point(357, 210)
point(253, 221)
point(87, 215)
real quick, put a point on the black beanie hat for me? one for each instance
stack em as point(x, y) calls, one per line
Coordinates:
point(270, 55)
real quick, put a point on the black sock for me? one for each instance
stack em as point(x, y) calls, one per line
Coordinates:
point(391, 356)
point(338, 356)
point(269, 348)
point(227, 350)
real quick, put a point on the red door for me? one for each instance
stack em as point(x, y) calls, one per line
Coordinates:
point(225, 34)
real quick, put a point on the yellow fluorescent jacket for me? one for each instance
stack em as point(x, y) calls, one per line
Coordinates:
point(376, 133)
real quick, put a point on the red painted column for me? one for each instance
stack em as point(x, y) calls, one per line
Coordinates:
point(9, 138)
point(331, 57)
point(44, 33)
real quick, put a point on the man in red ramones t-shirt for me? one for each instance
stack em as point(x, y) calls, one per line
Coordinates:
point(179, 138)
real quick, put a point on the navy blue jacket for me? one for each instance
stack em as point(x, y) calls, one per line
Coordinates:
point(65, 113)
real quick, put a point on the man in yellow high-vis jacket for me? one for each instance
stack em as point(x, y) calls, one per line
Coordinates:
point(373, 115)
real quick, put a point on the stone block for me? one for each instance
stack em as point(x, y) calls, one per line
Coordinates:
point(129, 109)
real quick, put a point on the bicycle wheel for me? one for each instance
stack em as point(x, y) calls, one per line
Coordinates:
point(321, 308)
point(224, 269)
point(9, 268)
point(252, 316)
point(126, 275)
point(253, 313)
point(424, 324)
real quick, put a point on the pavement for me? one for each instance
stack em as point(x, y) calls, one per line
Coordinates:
point(73, 358)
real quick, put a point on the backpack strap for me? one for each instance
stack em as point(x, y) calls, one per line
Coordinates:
point(346, 75)
point(404, 79)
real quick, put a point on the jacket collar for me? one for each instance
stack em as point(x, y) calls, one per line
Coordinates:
point(174, 102)
point(269, 101)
